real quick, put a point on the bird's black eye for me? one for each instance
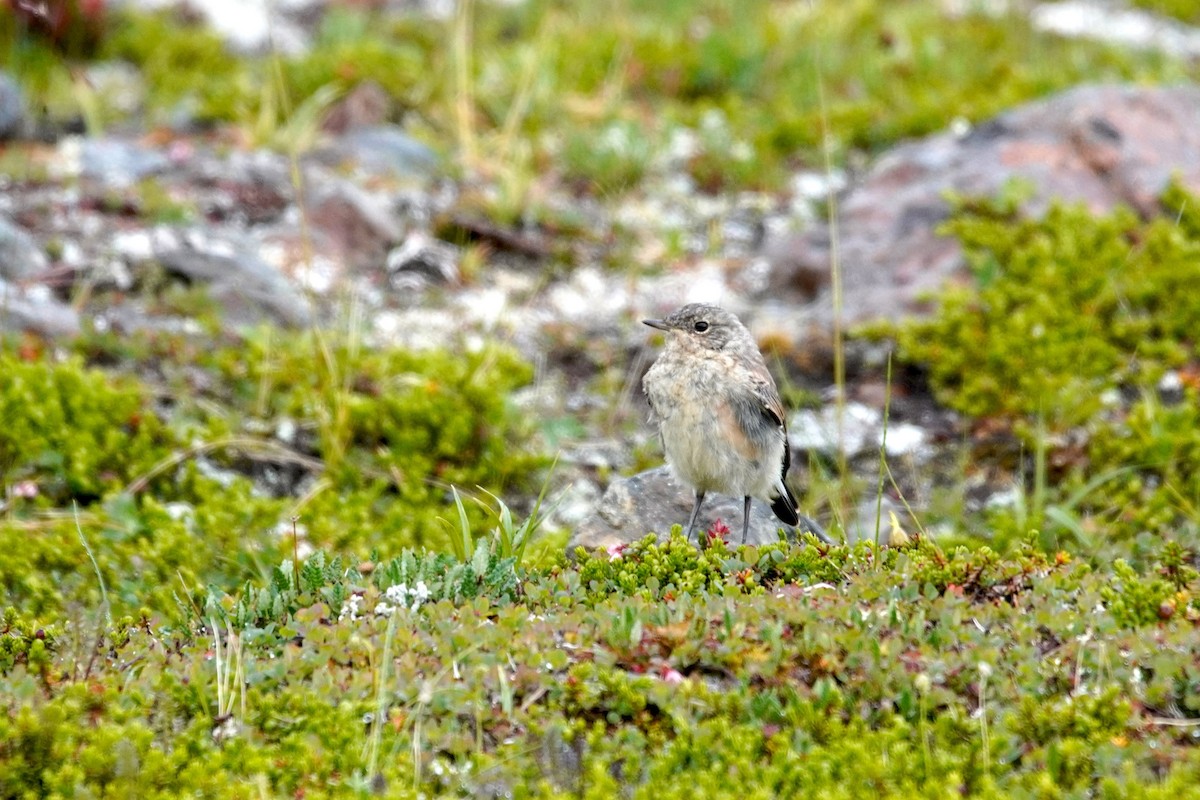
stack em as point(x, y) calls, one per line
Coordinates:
point(700, 327)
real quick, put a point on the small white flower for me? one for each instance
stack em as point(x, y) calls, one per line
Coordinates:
point(398, 593)
point(351, 608)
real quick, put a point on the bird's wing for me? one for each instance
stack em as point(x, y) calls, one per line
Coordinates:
point(772, 406)
point(767, 394)
point(655, 416)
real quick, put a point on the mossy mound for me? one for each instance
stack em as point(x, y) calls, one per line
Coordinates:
point(201, 480)
point(1063, 309)
point(1078, 335)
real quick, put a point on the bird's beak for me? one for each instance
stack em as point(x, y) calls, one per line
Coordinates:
point(657, 323)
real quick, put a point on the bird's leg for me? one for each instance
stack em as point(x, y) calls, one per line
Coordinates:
point(695, 516)
point(745, 518)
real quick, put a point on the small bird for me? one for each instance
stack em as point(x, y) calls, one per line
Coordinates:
point(719, 413)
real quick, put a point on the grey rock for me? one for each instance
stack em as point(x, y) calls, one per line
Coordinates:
point(361, 224)
point(421, 261)
point(37, 311)
point(860, 432)
point(21, 257)
point(366, 105)
point(653, 501)
point(820, 431)
point(386, 149)
point(574, 504)
point(1098, 145)
point(248, 289)
point(562, 760)
point(258, 28)
point(13, 120)
point(119, 163)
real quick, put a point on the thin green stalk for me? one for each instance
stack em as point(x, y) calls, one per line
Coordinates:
point(1039, 470)
point(95, 566)
point(883, 465)
point(381, 676)
point(835, 272)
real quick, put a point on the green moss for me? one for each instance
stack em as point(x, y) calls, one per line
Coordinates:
point(395, 430)
point(610, 158)
point(349, 49)
point(24, 641)
point(1063, 309)
point(1135, 600)
point(386, 433)
point(1070, 326)
point(182, 63)
point(677, 568)
point(1149, 460)
point(869, 73)
point(75, 433)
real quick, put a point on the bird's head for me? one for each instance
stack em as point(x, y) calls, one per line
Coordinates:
point(703, 326)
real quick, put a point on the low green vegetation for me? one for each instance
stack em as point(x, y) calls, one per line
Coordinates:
point(1063, 309)
point(272, 444)
point(781, 670)
point(1079, 335)
point(740, 92)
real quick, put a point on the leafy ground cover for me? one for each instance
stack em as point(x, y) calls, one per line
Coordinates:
point(777, 671)
point(273, 444)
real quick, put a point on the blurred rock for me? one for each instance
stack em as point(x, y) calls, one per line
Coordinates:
point(653, 501)
point(365, 105)
point(382, 150)
point(820, 431)
point(860, 431)
point(360, 223)
point(35, 310)
point(13, 121)
point(248, 289)
point(21, 257)
point(1117, 25)
point(574, 504)
point(879, 518)
point(252, 26)
point(422, 261)
point(119, 163)
point(1098, 145)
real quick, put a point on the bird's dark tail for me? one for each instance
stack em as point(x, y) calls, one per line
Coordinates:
point(785, 506)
